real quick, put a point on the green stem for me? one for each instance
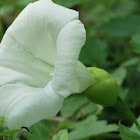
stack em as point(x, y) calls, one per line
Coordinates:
point(125, 110)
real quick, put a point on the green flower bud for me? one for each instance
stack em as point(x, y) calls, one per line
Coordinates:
point(105, 88)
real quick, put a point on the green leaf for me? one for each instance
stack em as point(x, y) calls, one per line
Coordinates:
point(61, 135)
point(132, 61)
point(94, 53)
point(90, 127)
point(120, 27)
point(9, 133)
point(75, 125)
point(127, 134)
point(135, 42)
point(124, 93)
point(134, 128)
point(119, 74)
point(40, 130)
point(90, 108)
point(72, 104)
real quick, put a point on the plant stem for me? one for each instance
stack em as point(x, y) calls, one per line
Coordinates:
point(122, 107)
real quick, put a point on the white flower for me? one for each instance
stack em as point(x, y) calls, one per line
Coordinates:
point(39, 64)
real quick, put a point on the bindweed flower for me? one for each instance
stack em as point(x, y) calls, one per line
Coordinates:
point(39, 64)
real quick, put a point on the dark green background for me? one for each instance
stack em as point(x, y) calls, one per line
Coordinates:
point(113, 44)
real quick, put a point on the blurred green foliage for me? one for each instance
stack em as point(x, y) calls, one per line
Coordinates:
point(113, 44)
point(131, 133)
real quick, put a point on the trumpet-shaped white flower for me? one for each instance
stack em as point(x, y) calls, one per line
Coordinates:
point(39, 64)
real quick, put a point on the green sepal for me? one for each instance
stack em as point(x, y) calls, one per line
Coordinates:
point(105, 89)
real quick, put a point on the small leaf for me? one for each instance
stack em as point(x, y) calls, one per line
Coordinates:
point(61, 135)
point(127, 134)
point(90, 108)
point(134, 128)
point(72, 104)
point(75, 125)
point(90, 127)
point(40, 130)
point(119, 74)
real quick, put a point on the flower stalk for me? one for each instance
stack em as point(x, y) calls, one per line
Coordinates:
point(123, 108)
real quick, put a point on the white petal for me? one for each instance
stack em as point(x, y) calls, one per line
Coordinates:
point(27, 57)
point(31, 106)
point(69, 43)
